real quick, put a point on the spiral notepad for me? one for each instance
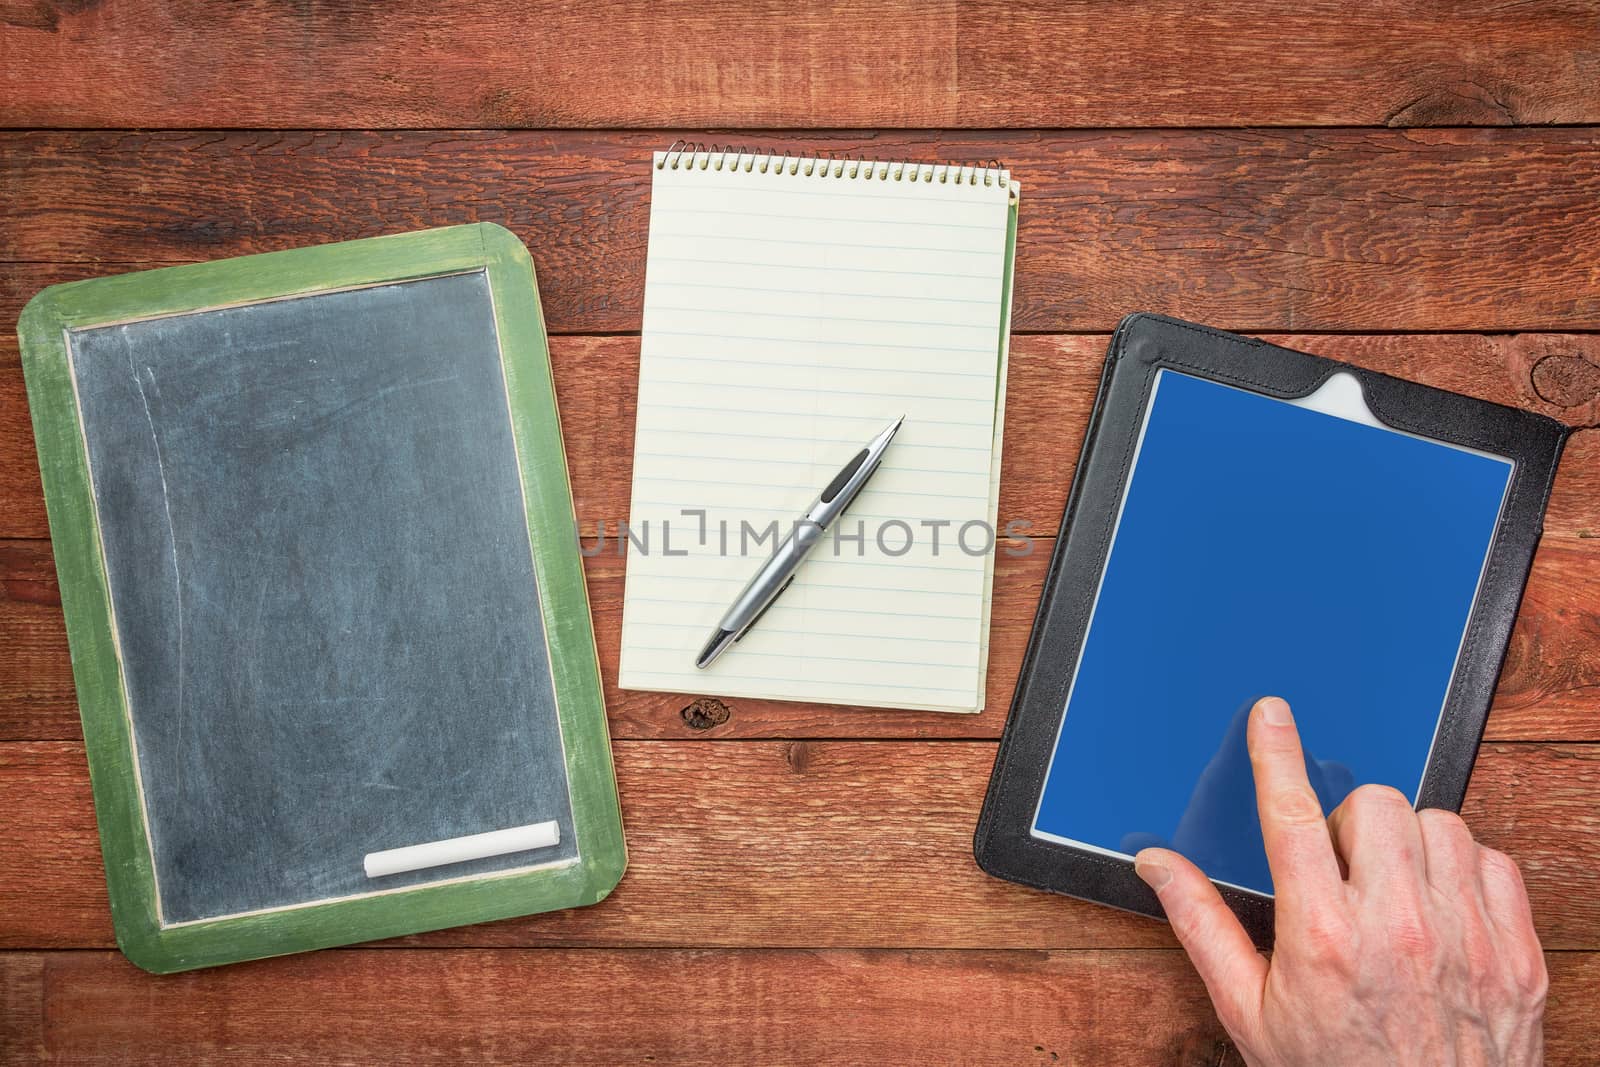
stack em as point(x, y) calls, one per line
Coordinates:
point(793, 307)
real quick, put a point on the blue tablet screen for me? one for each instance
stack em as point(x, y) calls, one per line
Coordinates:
point(1265, 548)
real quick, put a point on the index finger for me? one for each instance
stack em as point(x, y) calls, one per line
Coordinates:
point(1299, 850)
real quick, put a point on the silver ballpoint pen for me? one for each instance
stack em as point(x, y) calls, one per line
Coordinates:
point(776, 574)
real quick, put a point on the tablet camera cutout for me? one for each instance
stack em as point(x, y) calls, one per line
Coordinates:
point(1342, 397)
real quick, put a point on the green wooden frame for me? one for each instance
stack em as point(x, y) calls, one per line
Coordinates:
point(80, 566)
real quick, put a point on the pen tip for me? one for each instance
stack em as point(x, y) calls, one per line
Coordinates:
point(715, 647)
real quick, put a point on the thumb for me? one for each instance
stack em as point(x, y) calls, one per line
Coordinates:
point(1235, 974)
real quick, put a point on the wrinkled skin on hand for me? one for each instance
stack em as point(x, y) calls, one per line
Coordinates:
point(1399, 939)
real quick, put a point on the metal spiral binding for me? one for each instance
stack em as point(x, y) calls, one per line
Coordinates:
point(693, 155)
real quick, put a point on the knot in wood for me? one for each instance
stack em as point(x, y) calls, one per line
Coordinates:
point(1566, 380)
point(797, 754)
point(705, 713)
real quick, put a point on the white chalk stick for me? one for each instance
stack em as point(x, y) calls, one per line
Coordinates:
point(461, 849)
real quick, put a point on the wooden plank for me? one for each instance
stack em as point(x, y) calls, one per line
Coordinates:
point(1051, 390)
point(36, 690)
point(1227, 64)
point(889, 63)
point(21, 1008)
point(1549, 688)
point(38, 702)
point(1551, 678)
point(1052, 387)
point(806, 844)
point(50, 811)
point(586, 1007)
point(680, 1006)
point(1347, 230)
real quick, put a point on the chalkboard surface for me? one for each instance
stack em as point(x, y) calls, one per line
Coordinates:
point(322, 588)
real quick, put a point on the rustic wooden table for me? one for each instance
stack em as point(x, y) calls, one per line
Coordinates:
point(1414, 187)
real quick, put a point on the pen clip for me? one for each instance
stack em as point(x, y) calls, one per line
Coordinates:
point(751, 624)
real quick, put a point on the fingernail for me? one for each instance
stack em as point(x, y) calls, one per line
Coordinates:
point(1275, 711)
point(1155, 875)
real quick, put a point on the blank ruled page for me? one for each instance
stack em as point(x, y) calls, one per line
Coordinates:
point(788, 318)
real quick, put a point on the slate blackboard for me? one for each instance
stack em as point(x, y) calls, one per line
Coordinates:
point(315, 544)
point(324, 591)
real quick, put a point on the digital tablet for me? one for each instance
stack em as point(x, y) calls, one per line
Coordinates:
point(1248, 520)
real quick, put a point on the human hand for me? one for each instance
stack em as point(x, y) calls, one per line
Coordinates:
point(1399, 939)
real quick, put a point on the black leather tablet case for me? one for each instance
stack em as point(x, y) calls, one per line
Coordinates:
point(1142, 345)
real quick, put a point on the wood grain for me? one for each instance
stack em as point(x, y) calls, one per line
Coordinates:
point(829, 881)
point(1303, 230)
point(1548, 691)
point(586, 1007)
point(888, 63)
point(1051, 390)
point(21, 1008)
point(679, 1006)
point(806, 844)
point(1549, 688)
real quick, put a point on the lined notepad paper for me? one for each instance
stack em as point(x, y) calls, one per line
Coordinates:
point(794, 308)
